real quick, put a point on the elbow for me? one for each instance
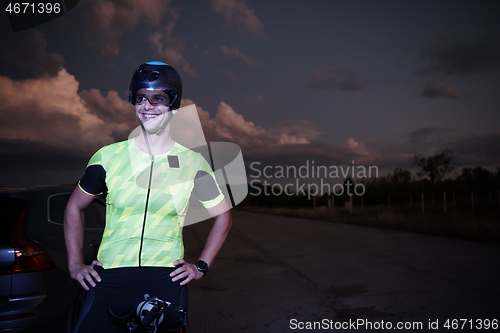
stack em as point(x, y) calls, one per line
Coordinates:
point(230, 222)
point(72, 215)
point(224, 221)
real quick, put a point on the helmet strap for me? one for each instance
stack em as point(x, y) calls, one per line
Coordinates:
point(162, 128)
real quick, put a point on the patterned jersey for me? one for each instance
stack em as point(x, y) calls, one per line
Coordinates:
point(147, 199)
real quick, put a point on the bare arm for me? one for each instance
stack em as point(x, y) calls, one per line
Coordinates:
point(216, 237)
point(74, 227)
point(214, 243)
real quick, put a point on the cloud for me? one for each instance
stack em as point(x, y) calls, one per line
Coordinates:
point(237, 13)
point(478, 150)
point(54, 121)
point(112, 110)
point(173, 52)
point(28, 50)
point(229, 125)
point(471, 149)
point(484, 146)
point(108, 20)
point(255, 99)
point(231, 76)
point(235, 53)
point(361, 150)
point(447, 57)
point(434, 136)
point(49, 130)
point(433, 90)
point(296, 132)
point(294, 142)
point(338, 77)
point(53, 113)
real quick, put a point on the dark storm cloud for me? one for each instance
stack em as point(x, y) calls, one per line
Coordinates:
point(471, 149)
point(228, 125)
point(294, 142)
point(165, 45)
point(53, 112)
point(255, 99)
point(27, 50)
point(433, 90)
point(448, 57)
point(108, 21)
point(235, 52)
point(338, 77)
point(111, 110)
point(238, 14)
point(484, 149)
point(434, 136)
point(317, 153)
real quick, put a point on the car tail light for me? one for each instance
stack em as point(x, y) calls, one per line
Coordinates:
point(16, 316)
point(29, 255)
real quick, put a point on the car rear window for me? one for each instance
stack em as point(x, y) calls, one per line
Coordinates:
point(57, 204)
point(95, 213)
point(10, 208)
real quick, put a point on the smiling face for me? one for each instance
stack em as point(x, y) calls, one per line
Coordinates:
point(151, 109)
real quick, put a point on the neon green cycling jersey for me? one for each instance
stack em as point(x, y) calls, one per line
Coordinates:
point(145, 208)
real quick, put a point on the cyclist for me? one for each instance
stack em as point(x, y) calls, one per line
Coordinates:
point(148, 181)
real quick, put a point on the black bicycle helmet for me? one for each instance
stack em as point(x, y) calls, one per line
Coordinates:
point(157, 75)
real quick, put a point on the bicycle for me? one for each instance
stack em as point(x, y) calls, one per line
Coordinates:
point(148, 316)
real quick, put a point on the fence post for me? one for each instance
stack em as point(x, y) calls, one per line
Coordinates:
point(389, 200)
point(411, 199)
point(350, 204)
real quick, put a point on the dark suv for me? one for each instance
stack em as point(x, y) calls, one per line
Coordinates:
point(36, 292)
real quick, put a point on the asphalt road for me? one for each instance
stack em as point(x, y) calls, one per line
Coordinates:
point(278, 274)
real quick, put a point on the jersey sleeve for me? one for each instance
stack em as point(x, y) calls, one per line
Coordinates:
point(206, 188)
point(93, 181)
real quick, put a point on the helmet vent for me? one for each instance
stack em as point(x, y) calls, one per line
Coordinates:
point(157, 76)
point(153, 76)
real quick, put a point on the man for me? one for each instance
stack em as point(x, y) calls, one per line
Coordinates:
point(148, 181)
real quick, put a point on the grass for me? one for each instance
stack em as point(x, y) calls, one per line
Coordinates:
point(457, 222)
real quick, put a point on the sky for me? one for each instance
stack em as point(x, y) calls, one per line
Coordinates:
point(370, 83)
